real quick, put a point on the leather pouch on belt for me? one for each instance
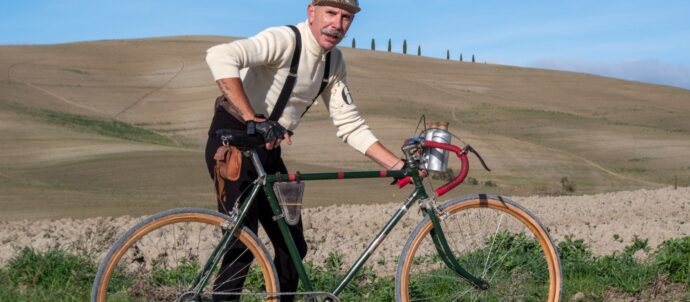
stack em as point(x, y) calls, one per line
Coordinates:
point(228, 162)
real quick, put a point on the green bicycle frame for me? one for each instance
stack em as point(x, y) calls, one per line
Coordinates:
point(266, 182)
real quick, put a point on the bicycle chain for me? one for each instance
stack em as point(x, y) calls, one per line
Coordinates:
point(313, 295)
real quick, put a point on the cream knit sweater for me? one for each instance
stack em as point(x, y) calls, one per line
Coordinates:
point(263, 63)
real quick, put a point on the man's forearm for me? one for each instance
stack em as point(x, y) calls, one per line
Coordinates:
point(384, 157)
point(237, 102)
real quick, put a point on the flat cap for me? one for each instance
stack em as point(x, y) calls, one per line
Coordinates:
point(349, 5)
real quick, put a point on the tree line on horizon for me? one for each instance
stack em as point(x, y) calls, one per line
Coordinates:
point(404, 49)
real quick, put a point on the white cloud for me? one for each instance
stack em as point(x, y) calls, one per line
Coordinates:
point(649, 71)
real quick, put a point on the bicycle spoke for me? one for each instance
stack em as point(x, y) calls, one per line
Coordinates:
point(488, 255)
point(460, 295)
point(234, 277)
point(228, 266)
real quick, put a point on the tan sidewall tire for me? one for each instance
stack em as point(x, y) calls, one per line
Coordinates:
point(246, 236)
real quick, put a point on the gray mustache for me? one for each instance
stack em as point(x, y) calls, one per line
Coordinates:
point(331, 32)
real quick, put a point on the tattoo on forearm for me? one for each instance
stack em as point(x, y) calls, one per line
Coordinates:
point(233, 110)
point(227, 104)
point(224, 87)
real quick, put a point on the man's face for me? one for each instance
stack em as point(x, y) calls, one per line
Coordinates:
point(329, 24)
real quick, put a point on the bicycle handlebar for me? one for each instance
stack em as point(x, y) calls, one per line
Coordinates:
point(464, 167)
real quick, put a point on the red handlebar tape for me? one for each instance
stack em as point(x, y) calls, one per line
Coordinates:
point(464, 168)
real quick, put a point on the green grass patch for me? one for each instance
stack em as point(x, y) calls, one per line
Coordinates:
point(592, 275)
point(59, 276)
point(180, 275)
point(637, 170)
point(673, 259)
point(365, 285)
point(51, 276)
point(109, 128)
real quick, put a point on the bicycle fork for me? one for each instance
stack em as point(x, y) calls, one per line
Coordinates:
point(446, 253)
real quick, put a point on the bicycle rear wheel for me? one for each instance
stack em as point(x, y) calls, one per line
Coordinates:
point(159, 258)
point(494, 239)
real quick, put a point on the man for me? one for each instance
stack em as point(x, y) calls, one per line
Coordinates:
point(252, 74)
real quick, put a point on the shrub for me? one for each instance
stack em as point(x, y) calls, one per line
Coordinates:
point(448, 175)
point(673, 258)
point(471, 181)
point(567, 185)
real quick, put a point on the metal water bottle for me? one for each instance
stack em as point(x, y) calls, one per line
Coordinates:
point(436, 159)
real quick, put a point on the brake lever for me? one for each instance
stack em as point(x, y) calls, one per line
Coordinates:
point(469, 148)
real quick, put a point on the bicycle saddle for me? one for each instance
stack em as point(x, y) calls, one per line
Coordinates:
point(239, 138)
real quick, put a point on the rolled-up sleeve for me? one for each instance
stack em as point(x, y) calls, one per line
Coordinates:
point(352, 128)
point(268, 47)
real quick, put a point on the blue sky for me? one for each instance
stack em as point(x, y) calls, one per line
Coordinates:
point(638, 40)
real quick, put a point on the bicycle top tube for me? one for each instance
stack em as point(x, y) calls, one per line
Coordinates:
point(250, 143)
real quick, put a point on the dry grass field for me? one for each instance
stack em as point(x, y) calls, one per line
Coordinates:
point(117, 127)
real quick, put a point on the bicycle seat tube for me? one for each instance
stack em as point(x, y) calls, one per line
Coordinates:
point(278, 217)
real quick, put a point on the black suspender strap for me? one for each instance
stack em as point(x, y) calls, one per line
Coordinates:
point(291, 78)
point(324, 81)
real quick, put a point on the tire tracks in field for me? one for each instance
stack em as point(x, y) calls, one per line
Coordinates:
point(48, 92)
point(146, 95)
point(585, 160)
point(11, 77)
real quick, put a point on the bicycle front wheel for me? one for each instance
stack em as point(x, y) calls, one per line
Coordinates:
point(159, 259)
point(494, 239)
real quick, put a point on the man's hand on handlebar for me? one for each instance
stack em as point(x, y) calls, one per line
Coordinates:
point(272, 132)
point(402, 165)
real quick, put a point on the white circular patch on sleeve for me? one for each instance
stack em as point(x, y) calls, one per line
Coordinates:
point(347, 96)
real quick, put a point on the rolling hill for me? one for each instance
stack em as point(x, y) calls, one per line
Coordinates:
point(118, 127)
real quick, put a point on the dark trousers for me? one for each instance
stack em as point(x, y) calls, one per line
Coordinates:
point(260, 211)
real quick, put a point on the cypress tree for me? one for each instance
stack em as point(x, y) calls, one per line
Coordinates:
point(404, 47)
point(373, 44)
point(447, 54)
point(390, 48)
point(354, 44)
point(419, 50)
point(460, 57)
point(472, 58)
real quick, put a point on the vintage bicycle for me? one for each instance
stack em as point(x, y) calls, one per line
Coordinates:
point(469, 248)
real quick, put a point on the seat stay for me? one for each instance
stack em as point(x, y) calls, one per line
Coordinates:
point(229, 228)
